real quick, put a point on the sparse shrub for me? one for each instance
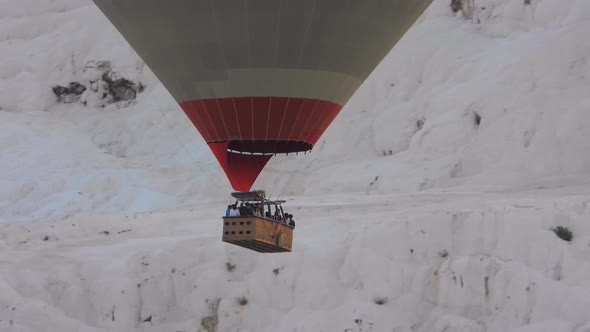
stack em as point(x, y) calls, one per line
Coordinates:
point(105, 83)
point(380, 300)
point(563, 233)
point(465, 6)
point(443, 253)
point(230, 267)
point(121, 88)
point(420, 123)
point(476, 119)
point(527, 2)
point(276, 271)
point(70, 93)
point(46, 238)
point(242, 300)
point(456, 5)
point(375, 180)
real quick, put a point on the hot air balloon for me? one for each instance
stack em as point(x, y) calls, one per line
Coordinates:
point(261, 77)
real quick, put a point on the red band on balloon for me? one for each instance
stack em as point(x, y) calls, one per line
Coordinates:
point(261, 118)
point(255, 125)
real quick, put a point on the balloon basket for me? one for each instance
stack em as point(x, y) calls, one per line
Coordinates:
point(257, 233)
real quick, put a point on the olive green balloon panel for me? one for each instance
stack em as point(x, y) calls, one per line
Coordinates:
point(261, 77)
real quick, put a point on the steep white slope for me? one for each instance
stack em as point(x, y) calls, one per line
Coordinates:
point(504, 270)
point(523, 70)
point(487, 193)
point(59, 160)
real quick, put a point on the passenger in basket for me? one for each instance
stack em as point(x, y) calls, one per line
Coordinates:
point(228, 211)
point(248, 211)
point(234, 212)
point(257, 210)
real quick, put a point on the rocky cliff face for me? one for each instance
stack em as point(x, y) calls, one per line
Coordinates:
point(99, 86)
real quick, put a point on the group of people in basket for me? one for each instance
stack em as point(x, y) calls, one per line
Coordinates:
point(250, 209)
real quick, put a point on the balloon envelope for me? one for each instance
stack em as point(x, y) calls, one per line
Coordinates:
point(261, 77)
